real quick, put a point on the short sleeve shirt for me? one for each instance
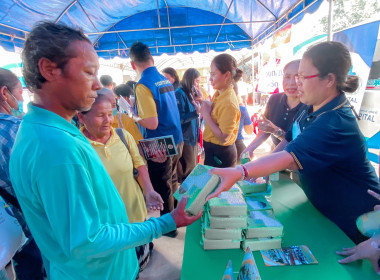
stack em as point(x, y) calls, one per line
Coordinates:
point(244, 120)
point(280, 114)
point(145, 105)
point(226, 114)
point(125, 122)
point(119, 165)
point(331, 156)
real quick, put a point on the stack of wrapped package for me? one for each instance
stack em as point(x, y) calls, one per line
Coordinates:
point(224, 219)
point(264, 231)
point(197, 186)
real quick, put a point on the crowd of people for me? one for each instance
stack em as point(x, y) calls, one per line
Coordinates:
point(78, 182)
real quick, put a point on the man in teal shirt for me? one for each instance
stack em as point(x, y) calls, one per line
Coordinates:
point(70, 203)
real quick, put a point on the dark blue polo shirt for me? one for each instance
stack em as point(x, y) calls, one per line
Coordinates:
point(279, 113)
point(331, 156)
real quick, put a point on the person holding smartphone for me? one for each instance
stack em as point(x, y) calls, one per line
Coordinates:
point(222, 114)
point(187, 95)
point(280, 110)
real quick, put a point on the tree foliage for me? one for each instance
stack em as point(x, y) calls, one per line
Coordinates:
point(348, 13)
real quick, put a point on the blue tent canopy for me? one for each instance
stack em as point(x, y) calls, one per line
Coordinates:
point(166, 26)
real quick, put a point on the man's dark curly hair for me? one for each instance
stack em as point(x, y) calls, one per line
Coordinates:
point(51, 41)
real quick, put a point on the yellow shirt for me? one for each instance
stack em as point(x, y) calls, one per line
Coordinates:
point(125, 122)
point(226, 114)
point(118, 163)
point(146, 105)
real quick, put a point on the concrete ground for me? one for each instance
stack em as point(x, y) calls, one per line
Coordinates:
point(166, 259)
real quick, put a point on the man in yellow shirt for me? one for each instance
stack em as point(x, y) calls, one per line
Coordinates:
point(157, 107)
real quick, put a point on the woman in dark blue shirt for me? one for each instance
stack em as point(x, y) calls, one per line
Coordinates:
point(325, 142)
point(187, 94)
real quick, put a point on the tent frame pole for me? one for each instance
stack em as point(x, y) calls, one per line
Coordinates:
point(158, 14)
point(176, 27)
point(182, 45)
point(287, 20)
point(65, 11)
point(14, 28)
point(170, 33)
point(224, 20)
point(330, 21)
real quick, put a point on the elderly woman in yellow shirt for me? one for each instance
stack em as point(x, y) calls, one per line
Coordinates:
point(222, 115)
point(119, 161)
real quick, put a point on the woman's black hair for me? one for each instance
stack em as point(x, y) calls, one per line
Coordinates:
point(225, 62)
point(8, 79)
point(171, 71)
point(333, 57)
point(123, 90)
point(187, 81)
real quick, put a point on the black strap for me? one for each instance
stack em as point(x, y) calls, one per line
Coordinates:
point(119, 132)
point(10, 198)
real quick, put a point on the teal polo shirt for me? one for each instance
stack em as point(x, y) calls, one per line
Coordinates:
point(71, 205)
point(334, 170)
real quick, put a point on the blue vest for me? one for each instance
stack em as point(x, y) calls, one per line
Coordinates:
point(167, 111)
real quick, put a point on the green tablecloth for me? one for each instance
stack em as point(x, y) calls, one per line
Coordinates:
point(303, 225)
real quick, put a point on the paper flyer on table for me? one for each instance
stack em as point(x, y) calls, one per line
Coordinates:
point(165, 144)
point(293, 255)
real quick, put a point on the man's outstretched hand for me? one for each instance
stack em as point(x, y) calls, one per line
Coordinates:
point(181, 218)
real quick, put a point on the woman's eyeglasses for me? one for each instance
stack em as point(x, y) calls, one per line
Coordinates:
point(301, 78)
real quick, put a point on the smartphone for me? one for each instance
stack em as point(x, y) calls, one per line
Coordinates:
point(196, 92)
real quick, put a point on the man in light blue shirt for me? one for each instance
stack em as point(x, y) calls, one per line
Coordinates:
point(73, 209)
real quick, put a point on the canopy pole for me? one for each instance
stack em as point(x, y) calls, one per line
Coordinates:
point(12, 36)
point(18, 29)
point(179, 27)
point(330, 21)
point(158, 14)
point(80, 5)
point(265, 34)
point(182, 45)
point(65, 11)
point(121, 39)
point(254, 94)
point(225, 16)
point(170, 33)
point(266, 8)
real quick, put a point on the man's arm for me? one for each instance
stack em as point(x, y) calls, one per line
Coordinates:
point(75, 222)
point(149, 123)
point(146, 107)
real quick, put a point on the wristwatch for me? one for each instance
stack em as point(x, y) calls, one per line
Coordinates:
point(278, 133)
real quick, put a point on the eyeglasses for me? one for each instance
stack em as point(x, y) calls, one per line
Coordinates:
point(301, 78)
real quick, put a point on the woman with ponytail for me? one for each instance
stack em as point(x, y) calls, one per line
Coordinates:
point(222, 114)
point(325, 143)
